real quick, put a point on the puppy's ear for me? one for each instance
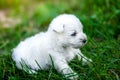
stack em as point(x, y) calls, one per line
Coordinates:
point(59, 28)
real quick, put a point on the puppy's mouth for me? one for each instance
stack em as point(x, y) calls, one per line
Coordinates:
point(78, 45)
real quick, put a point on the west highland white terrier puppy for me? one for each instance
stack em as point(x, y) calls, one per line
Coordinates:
point(57, 46)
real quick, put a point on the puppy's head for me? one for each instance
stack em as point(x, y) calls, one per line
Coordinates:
point(69, 30)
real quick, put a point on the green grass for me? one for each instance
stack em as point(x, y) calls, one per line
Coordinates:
point(101, 24)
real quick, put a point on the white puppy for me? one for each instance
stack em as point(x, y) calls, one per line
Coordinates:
point(57, 46)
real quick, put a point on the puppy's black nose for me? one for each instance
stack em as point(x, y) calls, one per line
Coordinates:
point(84, 41)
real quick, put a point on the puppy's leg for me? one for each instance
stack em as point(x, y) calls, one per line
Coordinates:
point(82, 57)
point(23, 66)
point(61, 66)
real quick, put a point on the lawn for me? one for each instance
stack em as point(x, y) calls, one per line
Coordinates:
point(101, 20)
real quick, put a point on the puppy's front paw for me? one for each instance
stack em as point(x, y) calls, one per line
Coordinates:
point(72, 76)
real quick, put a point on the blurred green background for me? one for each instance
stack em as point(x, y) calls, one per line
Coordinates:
point(20, 19)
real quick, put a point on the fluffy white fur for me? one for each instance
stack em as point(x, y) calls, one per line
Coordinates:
point(57, 46)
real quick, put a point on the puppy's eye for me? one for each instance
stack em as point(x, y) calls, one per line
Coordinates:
point(74, 34)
